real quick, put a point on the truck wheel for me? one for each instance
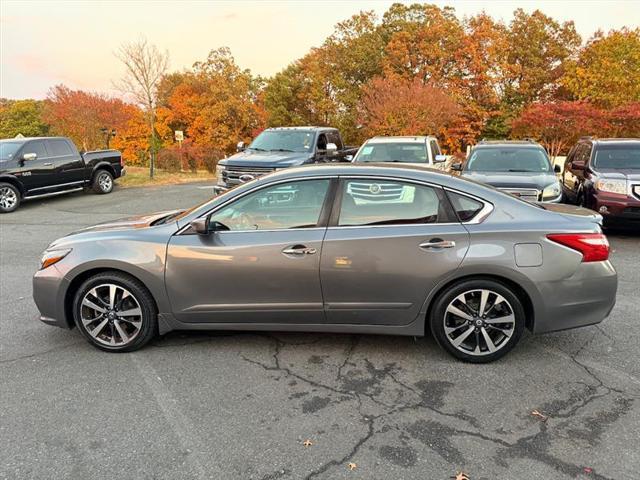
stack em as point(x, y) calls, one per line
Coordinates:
point(9, 197)
point(102, 182)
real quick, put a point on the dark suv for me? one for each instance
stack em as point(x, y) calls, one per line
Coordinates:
point(604, 175)
point(521, 168)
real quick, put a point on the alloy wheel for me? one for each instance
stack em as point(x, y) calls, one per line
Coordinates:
point(479, 322)
point(8, 198)
point(111, 315)
point(105, 182)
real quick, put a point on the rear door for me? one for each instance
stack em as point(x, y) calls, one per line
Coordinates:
point(388, 244)
point(67, 162)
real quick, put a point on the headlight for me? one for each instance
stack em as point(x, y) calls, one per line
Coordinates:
point(219, 170)
point(613, 186)
point(51, 257)
point(551, 191)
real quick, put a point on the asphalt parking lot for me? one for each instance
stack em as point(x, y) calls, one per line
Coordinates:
point(241, 405)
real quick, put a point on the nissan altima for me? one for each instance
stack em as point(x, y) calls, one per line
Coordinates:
point(375, 249)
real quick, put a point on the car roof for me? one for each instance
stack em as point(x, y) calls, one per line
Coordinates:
point(613, 140)
point(26, 139)
point(309, 127)
point(508, 143)
point(400, 138)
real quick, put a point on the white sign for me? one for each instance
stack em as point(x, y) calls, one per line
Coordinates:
point(179, 135)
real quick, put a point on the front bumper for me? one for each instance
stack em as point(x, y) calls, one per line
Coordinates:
point(617, 208)
point(49, 289)
point(585, 298)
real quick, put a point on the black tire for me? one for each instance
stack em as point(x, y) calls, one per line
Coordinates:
point(439, 316)
point(9, 197)
point(102, 182)
point(148, 319)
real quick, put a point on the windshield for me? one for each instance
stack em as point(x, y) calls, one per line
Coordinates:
point(393, 152)
point(618, 156)
point(284, 140)
point(8, 150)
point(508, 159)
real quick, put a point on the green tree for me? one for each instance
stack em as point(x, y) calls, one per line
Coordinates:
point(607, 71)
point(22, 117)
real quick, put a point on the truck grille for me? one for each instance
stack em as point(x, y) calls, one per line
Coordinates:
point(233, 175)
point(529, 194)
point(375, 191)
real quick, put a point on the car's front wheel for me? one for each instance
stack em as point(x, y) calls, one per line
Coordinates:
point(9, 198)
point(478, 320)
point(103, 182)
point(115, 312)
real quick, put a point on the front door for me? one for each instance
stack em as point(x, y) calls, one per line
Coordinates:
point(387, 248)
point(39, 174)
point(261, 265)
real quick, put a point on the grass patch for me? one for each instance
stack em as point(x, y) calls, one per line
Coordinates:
point(139, 176)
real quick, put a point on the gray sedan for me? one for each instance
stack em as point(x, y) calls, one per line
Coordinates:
point(377, 249)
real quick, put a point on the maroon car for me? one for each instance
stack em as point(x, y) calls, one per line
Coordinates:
point(604, 175)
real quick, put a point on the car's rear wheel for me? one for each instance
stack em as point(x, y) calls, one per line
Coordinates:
point(103, 182)
point(115, 312)
point(478, 320)
point(9, 197)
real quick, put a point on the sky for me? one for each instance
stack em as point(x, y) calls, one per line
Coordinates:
point(44, 43)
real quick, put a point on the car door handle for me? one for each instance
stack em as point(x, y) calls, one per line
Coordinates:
point(436, 243)
point(48, 164)
point(299, 250)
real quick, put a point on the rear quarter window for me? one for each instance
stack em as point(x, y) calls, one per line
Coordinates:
point(465, 207)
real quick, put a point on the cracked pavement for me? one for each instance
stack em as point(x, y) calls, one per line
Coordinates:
point(240, 405)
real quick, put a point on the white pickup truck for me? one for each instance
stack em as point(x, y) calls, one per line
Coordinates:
point(420, 149)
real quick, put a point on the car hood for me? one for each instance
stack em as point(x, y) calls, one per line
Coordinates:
point(128, 223)
point(537, 180)
point(632, 174)
point(252, 158)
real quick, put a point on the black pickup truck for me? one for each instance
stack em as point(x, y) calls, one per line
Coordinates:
point(34, 167)
point(281, 147)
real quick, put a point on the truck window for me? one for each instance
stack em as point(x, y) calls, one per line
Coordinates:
point(334, 137)
point(322, 142)
point(36, 147)
point(435, 149)
point(59, 148)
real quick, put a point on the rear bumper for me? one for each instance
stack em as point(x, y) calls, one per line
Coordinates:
point(585, 298)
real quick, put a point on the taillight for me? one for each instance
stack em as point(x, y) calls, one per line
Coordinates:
point(594, 247)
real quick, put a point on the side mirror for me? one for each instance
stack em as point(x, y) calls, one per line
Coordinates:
point(348, 158)
point(439, 159)
point(201, 226)
point(557, 169)
point(240, 147)
point(332, 148)
point(457, 166)
point(29, 156)
point(577, 165)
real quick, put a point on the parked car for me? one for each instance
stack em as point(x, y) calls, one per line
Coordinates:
point(422, 150)
point(521, 168)
point(604, 175)
point(277, 148)
point(35, 167)
point(296, 251)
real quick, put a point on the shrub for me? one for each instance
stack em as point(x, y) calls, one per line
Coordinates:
point(168, 159)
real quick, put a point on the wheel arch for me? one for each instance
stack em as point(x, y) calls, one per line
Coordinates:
point(518, 290)
point(79, 279)
point(15, 182)
point(103, 166)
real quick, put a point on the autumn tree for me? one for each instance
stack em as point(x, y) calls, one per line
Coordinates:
point(607, 72)
point(22, 117)
point(85, 117)
point(559, 125)
point(395, 106)
point(145, 66)
point(624, 121)
point(538, 49)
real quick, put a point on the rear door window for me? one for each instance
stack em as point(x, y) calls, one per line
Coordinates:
point(59, 148)
point(389, 202)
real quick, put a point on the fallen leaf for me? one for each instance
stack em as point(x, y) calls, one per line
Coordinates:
point(588, 470)
point(307, 443)
point(352, 466)
point(461, 476)
point(541, 416)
